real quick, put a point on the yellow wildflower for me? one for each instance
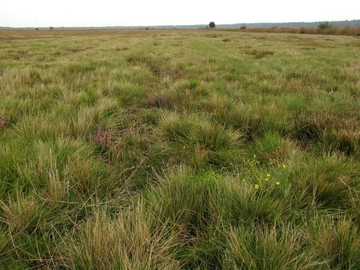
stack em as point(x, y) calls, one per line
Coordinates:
point(277, 183)
point(256, 186)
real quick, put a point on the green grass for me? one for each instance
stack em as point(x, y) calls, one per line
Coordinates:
point(173, 149)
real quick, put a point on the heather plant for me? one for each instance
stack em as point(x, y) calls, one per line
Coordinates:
point(2, 122)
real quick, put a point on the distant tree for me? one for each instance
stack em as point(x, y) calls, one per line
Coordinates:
point(325, 25)
point(212, 25)
point(51, 28)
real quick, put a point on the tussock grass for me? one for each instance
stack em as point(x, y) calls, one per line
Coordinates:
point(279, 247)
point(130, 241)
point(173, 149)
point(198, 141)
point(340, 247)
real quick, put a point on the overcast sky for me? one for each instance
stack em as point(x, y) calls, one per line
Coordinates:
point(45, 13)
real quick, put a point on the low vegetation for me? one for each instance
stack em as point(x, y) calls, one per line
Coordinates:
point(324, 28)
point(173, 149)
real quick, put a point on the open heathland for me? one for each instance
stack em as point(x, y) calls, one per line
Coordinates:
point(179, 149)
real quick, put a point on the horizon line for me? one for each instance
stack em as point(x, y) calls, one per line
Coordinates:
point(181, 25)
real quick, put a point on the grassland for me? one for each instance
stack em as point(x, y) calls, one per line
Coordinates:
point(179, 149)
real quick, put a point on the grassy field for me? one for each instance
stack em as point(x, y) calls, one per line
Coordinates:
point(179, 149)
